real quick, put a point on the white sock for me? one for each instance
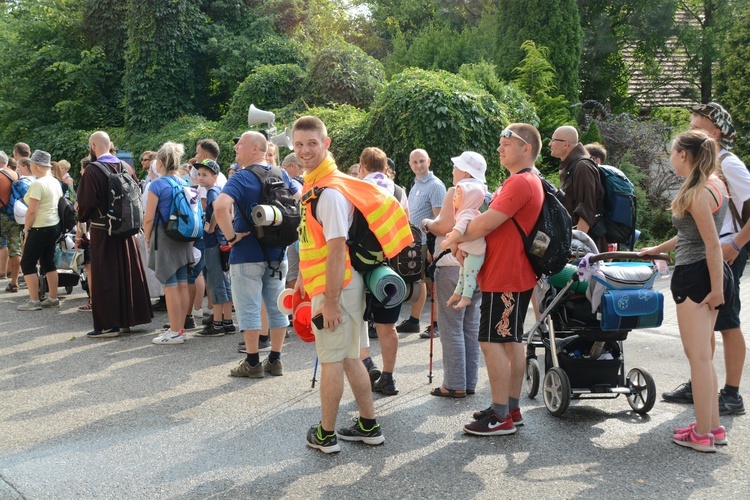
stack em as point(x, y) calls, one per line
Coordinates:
point(198, 313)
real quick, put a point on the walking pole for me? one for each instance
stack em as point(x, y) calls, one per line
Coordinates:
point(432, 324)
point(315, 371)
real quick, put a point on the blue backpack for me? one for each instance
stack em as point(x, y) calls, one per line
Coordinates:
point(186, 214)
point(18, 189)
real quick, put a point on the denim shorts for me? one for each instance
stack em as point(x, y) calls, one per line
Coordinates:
point(251, 282)
point(180, 276)
point(217, 280)
point(197, 268)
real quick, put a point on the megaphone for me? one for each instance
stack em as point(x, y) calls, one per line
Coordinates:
point(283, 139)
point(255, 115)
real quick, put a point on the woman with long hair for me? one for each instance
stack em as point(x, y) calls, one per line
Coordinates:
point(167, 257)
point(699, 281)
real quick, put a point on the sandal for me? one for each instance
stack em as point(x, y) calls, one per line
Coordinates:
point(438, 391)
point(12, 288)
point(86, 306)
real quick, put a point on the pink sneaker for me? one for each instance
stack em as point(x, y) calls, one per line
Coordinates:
point(514, 414)
point(692, 440)
point(720, 433)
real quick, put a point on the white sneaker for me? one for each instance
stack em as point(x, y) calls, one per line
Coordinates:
point(169, 337)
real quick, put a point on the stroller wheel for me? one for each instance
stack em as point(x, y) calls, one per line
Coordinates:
point(68, 289)
point(556, 391)
point(532, 378)
point(642, 390)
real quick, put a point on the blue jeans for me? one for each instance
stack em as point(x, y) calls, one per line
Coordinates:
point(251, 283)
point(217, 280)
point(179, 276)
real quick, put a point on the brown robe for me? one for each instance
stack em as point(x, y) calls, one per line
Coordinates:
point(119, 292)
point(584, 193)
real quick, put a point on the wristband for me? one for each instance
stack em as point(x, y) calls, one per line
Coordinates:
point(233, 239)
point(734, 245)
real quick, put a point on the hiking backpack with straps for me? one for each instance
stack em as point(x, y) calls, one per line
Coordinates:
point(408, 263)
point(67, 213)
point(365, 251)
point(619, 217)
point(548, 244)
point(124, 215)
point(274, 193)
point(186, 214)
point(18, 189)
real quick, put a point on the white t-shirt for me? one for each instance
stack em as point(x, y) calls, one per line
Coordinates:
point(335, 213)
point(738, 179)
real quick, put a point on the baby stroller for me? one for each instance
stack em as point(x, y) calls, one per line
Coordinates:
point(67, 276)
point(584, 356)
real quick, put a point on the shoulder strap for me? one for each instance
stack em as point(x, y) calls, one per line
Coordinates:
point(736, 216)
point(6, 174)
point(524, 236)
point(397, 192)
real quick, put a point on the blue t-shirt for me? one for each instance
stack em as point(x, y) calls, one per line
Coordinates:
point(163, 188)
point(244, 188)
point(213, 239)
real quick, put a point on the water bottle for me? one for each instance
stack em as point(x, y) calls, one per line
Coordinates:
point(663, 268)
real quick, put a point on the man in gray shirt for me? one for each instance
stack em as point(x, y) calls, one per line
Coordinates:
point(425, 199)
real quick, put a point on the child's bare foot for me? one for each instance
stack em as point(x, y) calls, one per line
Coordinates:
point(465, 301)
point(454, 298)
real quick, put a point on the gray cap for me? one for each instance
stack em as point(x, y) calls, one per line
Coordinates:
point(42, 158)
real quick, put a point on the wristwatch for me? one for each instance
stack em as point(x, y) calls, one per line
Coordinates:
point(232, 239)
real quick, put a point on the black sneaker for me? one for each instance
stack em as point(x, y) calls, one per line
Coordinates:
point(229, 328)
point(730, 405)
point(356, 432)
point(426, 333)
point(189, 323)
point(160, 305)
point(207, 320)
point(371, 331)
point(683, 394)
point(241, 348)
point(264, 345)
point(407, 326)
point(211, 330)
point(374, 372)
point(385, 387)
point(328, 444)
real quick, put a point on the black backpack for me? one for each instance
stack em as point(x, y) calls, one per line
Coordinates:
point(408, 263)
point(67, 214)
point(124, 215)
point(366, 252)
point(548, 244)
point(275, 193)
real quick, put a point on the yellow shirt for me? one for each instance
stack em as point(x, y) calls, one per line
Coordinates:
point(48, 191)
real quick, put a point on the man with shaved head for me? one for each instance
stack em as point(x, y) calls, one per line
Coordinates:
point(258, 271)
point(579, 178)
point(425, 199)
point(117, 283)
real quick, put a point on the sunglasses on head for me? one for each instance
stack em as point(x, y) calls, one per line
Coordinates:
point(508, 133)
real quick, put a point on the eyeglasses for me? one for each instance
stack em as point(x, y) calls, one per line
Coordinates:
point(508, 133)
point(555, 139)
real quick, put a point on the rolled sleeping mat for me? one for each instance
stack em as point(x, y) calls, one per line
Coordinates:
point(561, 279)
point(388, 287)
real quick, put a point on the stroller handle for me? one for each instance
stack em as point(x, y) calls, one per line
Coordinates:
point(628, 255)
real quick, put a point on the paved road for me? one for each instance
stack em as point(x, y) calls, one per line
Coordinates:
point(123, 418)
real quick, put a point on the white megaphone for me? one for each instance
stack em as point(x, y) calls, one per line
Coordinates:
point(283, 139)
point(255, 116)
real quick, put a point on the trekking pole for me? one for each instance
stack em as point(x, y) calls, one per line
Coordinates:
point(432, 325)
point(315, 372)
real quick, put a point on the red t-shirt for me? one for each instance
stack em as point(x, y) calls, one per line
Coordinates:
point(5, 186)
point(506, 267)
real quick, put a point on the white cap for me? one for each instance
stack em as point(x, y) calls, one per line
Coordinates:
point(472, 163)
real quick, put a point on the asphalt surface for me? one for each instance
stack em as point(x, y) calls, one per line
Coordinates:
point(122, 418)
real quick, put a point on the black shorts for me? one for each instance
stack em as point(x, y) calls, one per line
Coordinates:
point(729, 315)
point(375, 311)
point(503, 315)
point(692, 281)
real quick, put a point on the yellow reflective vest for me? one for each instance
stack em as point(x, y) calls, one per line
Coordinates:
point(385, 216)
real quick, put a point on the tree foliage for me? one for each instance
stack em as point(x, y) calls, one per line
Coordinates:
point(549, 23)
point(343, 73)
point(439, 112)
